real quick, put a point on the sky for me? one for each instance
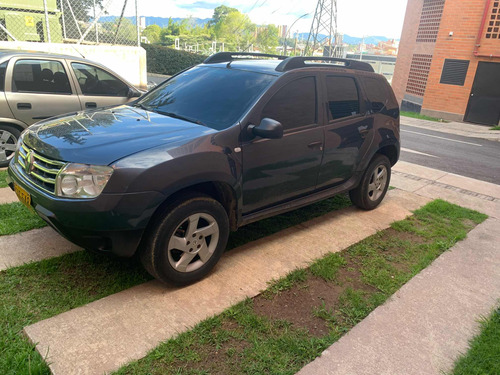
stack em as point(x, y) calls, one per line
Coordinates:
point(355, 17)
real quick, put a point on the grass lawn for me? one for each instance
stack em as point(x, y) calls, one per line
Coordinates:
point(421, 117)
point(44, 289)
point(15, 218)
point(495, 128)
point(3, 176)
point(300, 315)
point(484, 355)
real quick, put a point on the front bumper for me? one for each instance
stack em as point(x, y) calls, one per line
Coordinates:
point(110, 222)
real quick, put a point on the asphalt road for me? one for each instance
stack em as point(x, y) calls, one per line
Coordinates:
point(470, 157)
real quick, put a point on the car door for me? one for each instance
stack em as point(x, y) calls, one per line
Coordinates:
point(276, 170)
point(98, 87)
point(38, 88)
point(348, 130)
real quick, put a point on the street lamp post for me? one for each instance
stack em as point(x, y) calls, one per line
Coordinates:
point(285, 46)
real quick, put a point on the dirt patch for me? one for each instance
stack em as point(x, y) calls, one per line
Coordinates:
point(297, 304)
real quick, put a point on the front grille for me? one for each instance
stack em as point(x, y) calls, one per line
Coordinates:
point(40, 170)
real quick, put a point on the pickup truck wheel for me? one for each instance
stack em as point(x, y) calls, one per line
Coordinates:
point(8, 140)
point(186, 241)
point(373, 185)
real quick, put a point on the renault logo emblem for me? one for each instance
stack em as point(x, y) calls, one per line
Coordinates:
point(30, 162)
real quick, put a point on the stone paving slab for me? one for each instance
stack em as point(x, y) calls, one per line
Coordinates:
point(424, 326)
point(7, 196)
point(103, 335)
point(31, 246)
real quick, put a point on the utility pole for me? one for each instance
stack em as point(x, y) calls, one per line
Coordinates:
point(324, 23)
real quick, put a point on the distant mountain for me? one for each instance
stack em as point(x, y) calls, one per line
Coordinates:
point(160, 21)
point(352, 39)
point(163, 22)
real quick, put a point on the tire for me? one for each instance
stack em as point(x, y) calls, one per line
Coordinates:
point(186, 240)
point(373, 185)
point(8, 140)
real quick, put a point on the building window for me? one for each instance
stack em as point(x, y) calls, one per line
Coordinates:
point(492, 32)
point(430, 20)
point(454, 72)
point(419, 72)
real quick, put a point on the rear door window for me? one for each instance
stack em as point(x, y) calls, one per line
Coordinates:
point(294, 105)
point(98, 82)
point(342, 96)
point(40, 76)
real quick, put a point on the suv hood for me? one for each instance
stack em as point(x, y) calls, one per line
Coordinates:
point(103, 136)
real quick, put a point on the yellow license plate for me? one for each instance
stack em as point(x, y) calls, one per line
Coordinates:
point(23, 195)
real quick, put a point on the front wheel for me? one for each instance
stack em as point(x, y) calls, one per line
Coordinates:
point(186, 241)
point(373, 185)
point(8, 140)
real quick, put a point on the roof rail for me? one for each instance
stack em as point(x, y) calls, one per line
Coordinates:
point(222, 57)
point(300, 62)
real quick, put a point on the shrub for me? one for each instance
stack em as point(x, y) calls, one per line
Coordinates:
point(164, 60)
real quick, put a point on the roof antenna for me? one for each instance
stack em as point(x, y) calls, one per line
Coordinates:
point(81, 54)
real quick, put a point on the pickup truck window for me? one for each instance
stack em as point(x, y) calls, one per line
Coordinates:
point(215, 97)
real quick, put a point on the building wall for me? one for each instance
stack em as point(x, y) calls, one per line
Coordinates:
point(463, 18)
point(129, 62)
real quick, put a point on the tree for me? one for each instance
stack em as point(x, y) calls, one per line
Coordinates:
point(237, 29)
point(220, 13)
point(267, 38)
point(152, 32)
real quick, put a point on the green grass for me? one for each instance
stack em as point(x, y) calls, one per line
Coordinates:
point(483, 357)
point(421, 117)
point(15, 218)
point(239, 341)
point(495, 128)
point(44, 289)
point(3, 181)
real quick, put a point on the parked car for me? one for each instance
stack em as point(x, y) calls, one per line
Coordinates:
point(36, 85)
point(223, 144)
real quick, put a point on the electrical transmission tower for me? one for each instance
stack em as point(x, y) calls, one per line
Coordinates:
point(324, 29)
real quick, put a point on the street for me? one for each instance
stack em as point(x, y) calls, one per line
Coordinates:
point(466, 156)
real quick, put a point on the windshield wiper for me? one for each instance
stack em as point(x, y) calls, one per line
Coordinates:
point(180, 117)
point(142, 106)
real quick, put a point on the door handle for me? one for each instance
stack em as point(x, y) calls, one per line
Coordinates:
point(316, 145)
point(22, 106)
point(91, 105)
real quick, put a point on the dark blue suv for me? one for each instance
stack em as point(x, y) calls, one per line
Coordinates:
point(234, 140)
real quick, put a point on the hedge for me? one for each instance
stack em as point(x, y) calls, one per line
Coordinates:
point(164, 60)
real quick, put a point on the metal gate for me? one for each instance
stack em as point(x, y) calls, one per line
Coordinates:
point(484, 101)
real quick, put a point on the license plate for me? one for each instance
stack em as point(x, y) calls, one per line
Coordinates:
point(23, 195)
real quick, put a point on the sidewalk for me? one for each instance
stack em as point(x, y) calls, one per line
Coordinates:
point(426, 325)
point(457, 128)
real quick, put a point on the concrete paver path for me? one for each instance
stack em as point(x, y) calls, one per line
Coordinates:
point(32, 246)
point(104, 335)
point(426, 324)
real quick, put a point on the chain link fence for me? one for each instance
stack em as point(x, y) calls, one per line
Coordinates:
point(111, 22)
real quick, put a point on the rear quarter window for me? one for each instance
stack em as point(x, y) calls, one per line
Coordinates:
point(379, 93)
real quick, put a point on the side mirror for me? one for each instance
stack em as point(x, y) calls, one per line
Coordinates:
point(268, 128)
point(133, 93)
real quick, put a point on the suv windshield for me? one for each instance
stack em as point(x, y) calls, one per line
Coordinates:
point(210, 96)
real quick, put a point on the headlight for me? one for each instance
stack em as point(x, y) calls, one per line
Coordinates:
point(82, 180)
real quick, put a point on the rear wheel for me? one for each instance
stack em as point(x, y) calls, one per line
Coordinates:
point(373, 185)
point(186, 241)
point(8, 140)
